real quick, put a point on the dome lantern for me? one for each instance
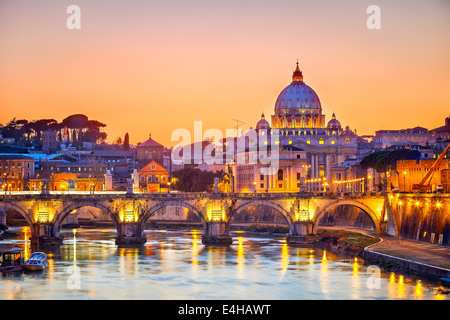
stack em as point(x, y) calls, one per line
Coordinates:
point(297, 76)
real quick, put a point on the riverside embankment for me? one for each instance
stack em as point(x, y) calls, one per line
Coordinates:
point(430, 260)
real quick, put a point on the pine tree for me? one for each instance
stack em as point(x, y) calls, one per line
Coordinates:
point(126, 142)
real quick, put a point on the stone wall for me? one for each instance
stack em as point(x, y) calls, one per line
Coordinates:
point(424, 219)
point(347, 215)
point(259, 214)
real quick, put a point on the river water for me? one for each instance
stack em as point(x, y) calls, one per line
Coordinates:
point(176, 265)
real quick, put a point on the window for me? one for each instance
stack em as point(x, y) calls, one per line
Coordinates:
point(298, 176)
point(280, 174)
point(347, 140)
point(261, 177)
point(156, 179)
point(333, 142)
point(321, 141)
point(261, 185)
point(308, 141)
point(298, 156)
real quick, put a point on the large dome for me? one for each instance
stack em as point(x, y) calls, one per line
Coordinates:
point(298, 97)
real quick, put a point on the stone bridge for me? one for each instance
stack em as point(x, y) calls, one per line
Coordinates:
point(45, 213)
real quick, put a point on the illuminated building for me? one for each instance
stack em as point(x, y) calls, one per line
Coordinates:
point(153, 178)
point(411, 172)
point(290, 175)
point(298, 116)
point(70, 182)
point(15, 171)
point(445, 180)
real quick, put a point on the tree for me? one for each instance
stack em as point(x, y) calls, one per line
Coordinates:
point(126, 142)
point(386, 160)
point(117, 141)
point(195, 180)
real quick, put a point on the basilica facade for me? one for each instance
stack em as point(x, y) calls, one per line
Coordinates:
point(299, 118)
point(313, 152)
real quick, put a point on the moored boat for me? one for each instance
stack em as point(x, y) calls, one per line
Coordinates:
point(11, 260)
point(37, 261)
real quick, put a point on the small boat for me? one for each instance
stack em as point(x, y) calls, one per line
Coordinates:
point(11, 260)
point(37, 261)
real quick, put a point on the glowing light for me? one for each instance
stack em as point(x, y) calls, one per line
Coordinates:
point(240, 252)
point(355, 267)
point(284, 256)
point(438, 204)
point(418, 288)
point(417, 203)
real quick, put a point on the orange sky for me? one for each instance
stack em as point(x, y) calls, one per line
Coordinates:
point(155, 66)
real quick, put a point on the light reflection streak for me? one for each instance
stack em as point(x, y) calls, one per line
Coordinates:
point(355, 278)
point(418, 290)
point(194, 247)
point(240, 258)
point(323, 276)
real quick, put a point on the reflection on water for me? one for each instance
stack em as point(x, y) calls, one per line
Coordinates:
point(176, 265)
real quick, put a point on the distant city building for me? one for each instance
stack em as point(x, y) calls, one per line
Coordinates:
point(6, 141)
point(49, 143)
point(148, 151)
point(403, 137)
point(442, 132)
point(15, 171)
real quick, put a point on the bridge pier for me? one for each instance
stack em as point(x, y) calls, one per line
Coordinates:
point(43, 234)
point(130, 233)
point(217, 232)
point(301, 232)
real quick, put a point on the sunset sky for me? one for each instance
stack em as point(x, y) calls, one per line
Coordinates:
point(155, 66)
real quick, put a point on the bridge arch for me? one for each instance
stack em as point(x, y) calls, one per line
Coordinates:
point(335, 204)
point(163, 204)
point(76, 205)
point(277, 207)
point(9, 205)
